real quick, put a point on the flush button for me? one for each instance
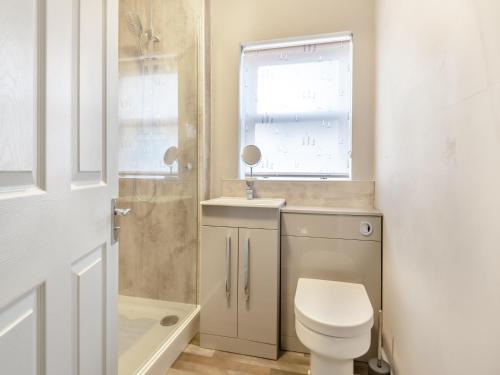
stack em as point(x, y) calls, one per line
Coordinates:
point(365, 228)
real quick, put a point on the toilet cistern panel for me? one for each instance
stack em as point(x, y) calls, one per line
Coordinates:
point(329, 244)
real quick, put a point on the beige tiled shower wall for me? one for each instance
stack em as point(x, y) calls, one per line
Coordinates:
point(158, 241)
point(352, 194)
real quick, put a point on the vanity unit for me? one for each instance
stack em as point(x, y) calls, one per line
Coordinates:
point(329, 244)
point(239, 275)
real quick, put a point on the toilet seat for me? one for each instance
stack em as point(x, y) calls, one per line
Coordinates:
point(333, 308)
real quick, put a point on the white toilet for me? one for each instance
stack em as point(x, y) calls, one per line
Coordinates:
point(333, 320)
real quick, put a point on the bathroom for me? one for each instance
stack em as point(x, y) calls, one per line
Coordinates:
point(275, 187)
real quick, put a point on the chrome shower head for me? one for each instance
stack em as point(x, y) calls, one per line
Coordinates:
point(134, 24)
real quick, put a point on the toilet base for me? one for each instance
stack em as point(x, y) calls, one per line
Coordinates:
point(321, 365)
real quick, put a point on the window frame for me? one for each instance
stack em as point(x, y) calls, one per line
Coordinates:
point(346, 36)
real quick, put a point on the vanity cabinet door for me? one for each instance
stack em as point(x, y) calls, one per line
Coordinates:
point(218, 281)
point(258, 285)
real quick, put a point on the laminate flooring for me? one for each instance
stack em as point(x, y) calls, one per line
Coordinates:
point(199, 361)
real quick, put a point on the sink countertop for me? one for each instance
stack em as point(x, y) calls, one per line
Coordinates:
point(332, 210)
point(279, 203)
point(243, 202)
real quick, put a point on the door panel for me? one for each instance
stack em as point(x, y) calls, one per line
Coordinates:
point(89, 291)
point(91, 85)
point(89, 90)
point(218, 309)
point(21, 78)
point(21, 350)
point(51, 279)
point(258, 315)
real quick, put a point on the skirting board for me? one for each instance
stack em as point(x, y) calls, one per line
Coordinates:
point(173, 347)
point(235, 345)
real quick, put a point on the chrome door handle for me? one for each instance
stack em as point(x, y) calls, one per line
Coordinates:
point(246, 271)
point(122, 211)
point(228, 267)
point(115, 229)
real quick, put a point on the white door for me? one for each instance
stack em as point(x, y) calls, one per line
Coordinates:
point(58, 267)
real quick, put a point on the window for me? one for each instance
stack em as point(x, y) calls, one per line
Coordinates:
point(295, 105)
point(149, 123)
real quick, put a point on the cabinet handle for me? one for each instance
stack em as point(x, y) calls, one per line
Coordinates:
point(228, 267)
point(246, 271)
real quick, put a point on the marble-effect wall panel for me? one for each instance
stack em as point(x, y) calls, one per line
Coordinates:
point(159, 240)
point(352, 194)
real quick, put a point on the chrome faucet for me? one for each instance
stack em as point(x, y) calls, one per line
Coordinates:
point(249, 191)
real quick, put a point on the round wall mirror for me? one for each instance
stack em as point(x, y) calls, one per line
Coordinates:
point(170, 157)
point(251, 155)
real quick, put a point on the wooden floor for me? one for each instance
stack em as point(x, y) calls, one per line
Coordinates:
point(199, 361)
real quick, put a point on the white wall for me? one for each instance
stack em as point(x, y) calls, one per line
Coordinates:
point(438, 183)
point(237, 21)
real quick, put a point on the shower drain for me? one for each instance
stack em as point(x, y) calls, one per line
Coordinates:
point(169, 320)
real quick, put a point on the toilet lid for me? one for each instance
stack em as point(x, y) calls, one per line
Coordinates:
point(333, 308)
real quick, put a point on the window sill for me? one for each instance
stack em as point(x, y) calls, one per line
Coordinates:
point(132, 176)
point(305, 179)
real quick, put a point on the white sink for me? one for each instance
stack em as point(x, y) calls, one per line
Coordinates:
point(243, 202)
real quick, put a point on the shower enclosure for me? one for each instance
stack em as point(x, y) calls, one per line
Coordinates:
point(158, 162)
